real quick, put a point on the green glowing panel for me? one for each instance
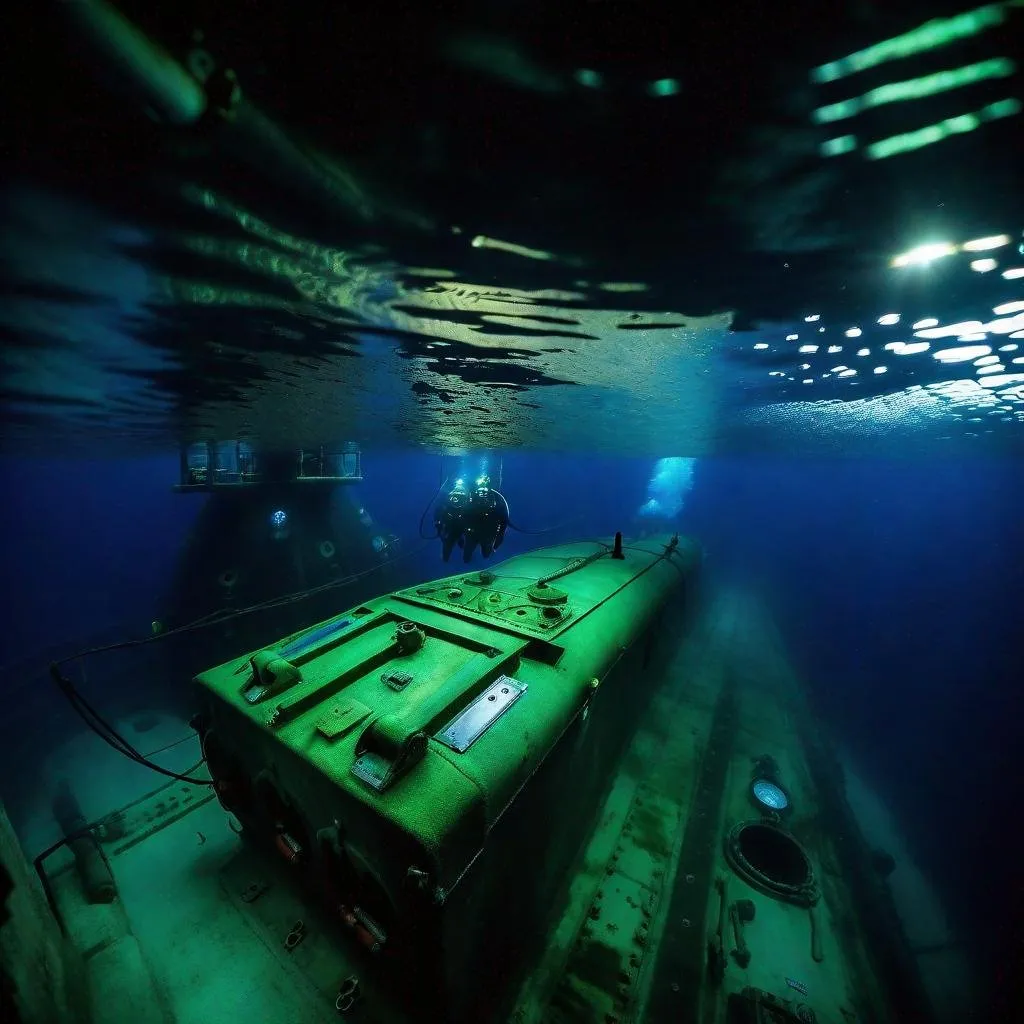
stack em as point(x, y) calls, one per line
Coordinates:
point(929, 36)
point(663, 87)
point(943, 130)
point(917, 88)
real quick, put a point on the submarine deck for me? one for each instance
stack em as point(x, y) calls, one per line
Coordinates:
point(200, 931)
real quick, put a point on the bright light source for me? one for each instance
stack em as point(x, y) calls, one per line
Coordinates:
point(973, 336)
point(924, 254)
point(895, 346)
point(889, 319)
point(833, 349)
point(951, 330)
point(854, 332)
point(1002, 379)
point(864, 351)
point(994, 368)
point(810, 349)
point(929, 321)
point(770, 796)
point(760, 344)
point(1008, 307)
point(807, 380)
point(821, 330)
point(278, 518)
point(981, 244)
point(983, 266)
point(986, 360)
point(792, 337)
point(961, 355)
point(1008, 348)
point(881, 369)
point(848, 373)
point(1013, 273)
point(812, 318)
point(914, 348)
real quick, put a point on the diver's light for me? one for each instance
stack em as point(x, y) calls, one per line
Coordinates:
point(923, 254)
point(981, 244)
point(983, 266)
point(888, 319)
point(278, 518)
point(769, 795)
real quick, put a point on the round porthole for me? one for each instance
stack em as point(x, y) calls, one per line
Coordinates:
point(772, 861)
point(769, 796)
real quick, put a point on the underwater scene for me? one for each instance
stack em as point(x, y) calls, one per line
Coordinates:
point(512, 513)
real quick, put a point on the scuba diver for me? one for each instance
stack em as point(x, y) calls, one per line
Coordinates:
point(468, 520)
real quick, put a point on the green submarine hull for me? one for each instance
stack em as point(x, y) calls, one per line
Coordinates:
point(431, 762)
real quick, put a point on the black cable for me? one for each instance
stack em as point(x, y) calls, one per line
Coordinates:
point(109, 735)
point(440, 487)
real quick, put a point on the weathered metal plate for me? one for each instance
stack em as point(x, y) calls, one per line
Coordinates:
point(472, 722)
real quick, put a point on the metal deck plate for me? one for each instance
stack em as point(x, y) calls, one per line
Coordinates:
point(472, 722)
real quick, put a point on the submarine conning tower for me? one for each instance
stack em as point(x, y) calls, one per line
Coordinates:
point(429, 762)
